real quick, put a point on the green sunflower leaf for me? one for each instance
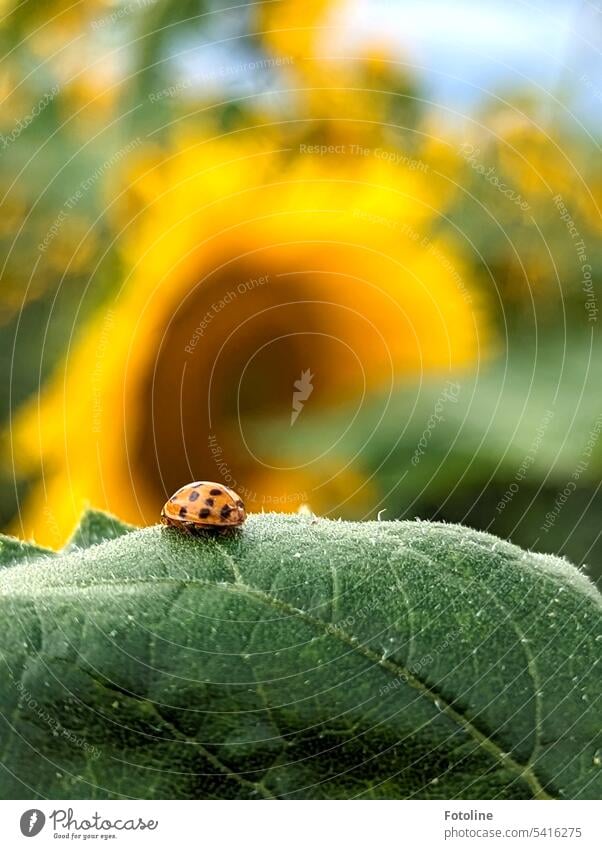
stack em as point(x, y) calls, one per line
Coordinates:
point(301, 658)
point(96, 527)
point(13, 551)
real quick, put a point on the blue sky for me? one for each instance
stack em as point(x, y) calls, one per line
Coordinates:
point(461, 48)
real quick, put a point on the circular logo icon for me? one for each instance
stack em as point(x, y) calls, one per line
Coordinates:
point(32, 822)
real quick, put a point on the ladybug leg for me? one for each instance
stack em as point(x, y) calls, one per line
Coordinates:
point(187, 528)
point(197, 531)
point(228, 531)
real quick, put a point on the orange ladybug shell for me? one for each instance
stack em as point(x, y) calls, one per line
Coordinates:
point(204, 504)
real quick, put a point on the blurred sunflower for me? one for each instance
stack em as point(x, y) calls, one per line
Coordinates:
point(361, 93)
point(250, 266)
point(293, 28)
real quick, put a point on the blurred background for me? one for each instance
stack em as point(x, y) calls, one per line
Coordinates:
point(341, 256)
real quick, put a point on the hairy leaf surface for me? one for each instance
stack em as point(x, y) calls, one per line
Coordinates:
point(298, 658)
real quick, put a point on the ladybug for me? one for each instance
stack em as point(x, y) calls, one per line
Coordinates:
point(203, 506)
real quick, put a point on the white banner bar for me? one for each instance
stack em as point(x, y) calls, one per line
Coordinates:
point(301, 824)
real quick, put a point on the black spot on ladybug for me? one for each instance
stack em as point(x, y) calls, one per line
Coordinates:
point(193, 495)
point(183, 512)
point(215, 492)
point(209, 502)
point(204, 513)
point(225, 511)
